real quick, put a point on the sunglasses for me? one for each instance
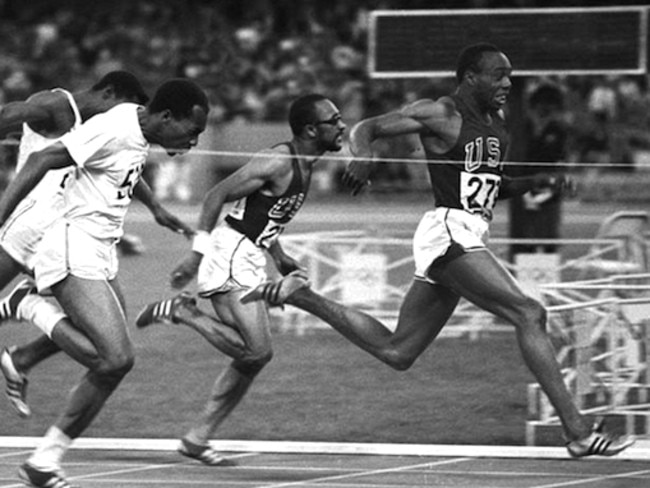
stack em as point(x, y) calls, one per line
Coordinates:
point(334, 120)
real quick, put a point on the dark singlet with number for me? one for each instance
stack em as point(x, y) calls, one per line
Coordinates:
point(262, 218)
point(471, 177)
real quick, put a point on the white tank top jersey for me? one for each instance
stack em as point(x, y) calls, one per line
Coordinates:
point(110, 152)
point(51, 186)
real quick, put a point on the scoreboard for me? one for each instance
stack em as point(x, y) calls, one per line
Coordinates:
point(540, 41)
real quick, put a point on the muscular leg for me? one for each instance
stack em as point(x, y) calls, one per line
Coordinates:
point(425, 310)
point(481, 279)
point(28, 355)
point(252, 323)
point(64, 333)
point(74, 340)
point(95, 308)
point(223, 336)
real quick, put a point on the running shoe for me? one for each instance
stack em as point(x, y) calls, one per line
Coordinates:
point(203, 453)
point(9, 304)
point(164, 310)
point(599, 443)
point(276, 293)
point(42, 479)
point(16, 383)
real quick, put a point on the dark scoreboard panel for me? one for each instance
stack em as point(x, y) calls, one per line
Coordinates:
point(423, 43)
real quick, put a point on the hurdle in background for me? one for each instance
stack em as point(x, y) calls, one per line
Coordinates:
point(603, 347)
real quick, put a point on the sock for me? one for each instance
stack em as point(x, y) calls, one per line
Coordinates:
point(43, 313)
point(50, 451)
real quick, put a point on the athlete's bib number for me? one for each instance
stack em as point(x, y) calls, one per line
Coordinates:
point(130, 180)
point(269, 234)
point(478, 193)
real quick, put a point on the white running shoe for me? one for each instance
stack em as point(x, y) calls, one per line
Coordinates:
point(16, 383)
point(9, 304)
point(203, 453)
point(276, 293)
point(38, 478)
point(599, 443)
point(163, 310)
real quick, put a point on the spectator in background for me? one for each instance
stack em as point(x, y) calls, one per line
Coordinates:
point(603, 99)
point(595, 140)
point(537, 213)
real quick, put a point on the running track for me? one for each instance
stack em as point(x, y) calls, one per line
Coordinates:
point(131, 464)
point(147, 464)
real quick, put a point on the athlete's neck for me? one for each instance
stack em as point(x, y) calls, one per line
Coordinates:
point(468, 96)
point(306, 151)
point(86, 105)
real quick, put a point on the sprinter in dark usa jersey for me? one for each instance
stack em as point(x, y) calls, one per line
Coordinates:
point(230, 258)
point(470, 177)
point(465, 143)
point(261, 217)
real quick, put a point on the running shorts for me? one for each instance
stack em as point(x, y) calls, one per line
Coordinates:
point(67, 249)
point(444, 233)
point(24, 229)
point(232, 263)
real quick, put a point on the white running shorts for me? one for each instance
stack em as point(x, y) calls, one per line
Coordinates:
point(233, 263)
point(24, 229)
point(439, 229)
point(67, 250)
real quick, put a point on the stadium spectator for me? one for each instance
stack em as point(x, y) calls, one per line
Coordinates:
point(537, 214)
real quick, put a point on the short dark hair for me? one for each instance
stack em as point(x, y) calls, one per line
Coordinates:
point(125, 85)
point(470, 57)
point(179, 96)
point(303, 111)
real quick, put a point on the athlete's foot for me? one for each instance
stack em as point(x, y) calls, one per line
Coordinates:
point(9, 304)
point(38, 478)
point(203, 453)
point(277, 293)
point(16, 383)
point(164, 310)
point(599, 443)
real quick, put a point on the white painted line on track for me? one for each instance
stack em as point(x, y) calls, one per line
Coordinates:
point(371, 472)
point(594, 479)
point(640, 451)
point(135, 469)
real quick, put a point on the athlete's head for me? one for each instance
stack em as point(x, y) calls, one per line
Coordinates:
point(181, 108)
point(316, 117)
point(546, 100)
point(486, 71)
point(124, 86)
point(179, 96)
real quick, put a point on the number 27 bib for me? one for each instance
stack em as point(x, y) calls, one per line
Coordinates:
point(478, 192)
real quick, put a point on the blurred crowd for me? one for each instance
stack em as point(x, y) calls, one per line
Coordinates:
point(254, 56)
point(251, 56)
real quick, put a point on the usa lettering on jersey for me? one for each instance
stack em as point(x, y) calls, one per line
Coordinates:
point(479, 190)
point(474, 152)
point(285, 208)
